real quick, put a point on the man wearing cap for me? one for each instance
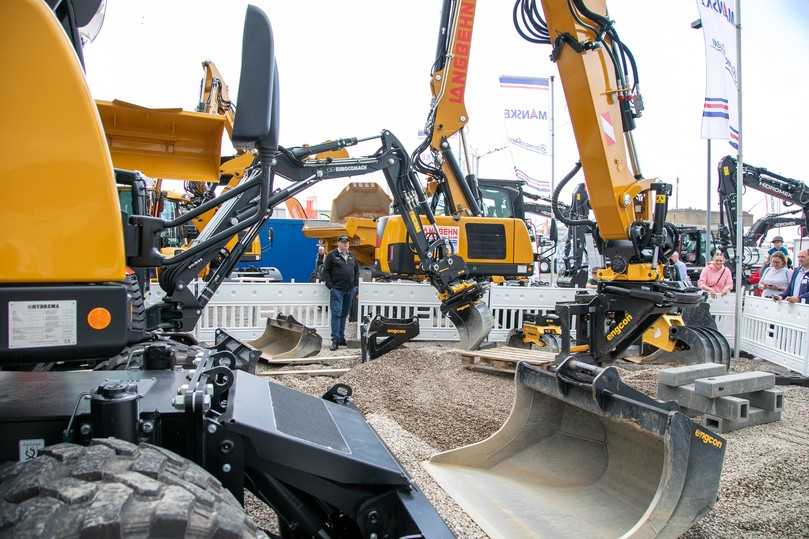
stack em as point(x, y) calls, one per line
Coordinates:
point(341, 274)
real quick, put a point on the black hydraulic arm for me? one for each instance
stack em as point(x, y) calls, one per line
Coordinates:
point(243, 211)
point(760, 228)
point(436, 258)
point(789, 190)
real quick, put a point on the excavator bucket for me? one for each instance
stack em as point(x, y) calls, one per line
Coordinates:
point(548, 343)
point(473, 322)
point(584, 455)
point(284, 337)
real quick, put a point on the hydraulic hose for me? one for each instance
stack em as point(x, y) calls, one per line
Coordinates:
point(555, 201)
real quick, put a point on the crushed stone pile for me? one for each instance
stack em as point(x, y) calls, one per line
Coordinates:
point(420, 401)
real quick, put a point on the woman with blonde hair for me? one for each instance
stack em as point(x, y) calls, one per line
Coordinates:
point(775, 277)
point(715, 277)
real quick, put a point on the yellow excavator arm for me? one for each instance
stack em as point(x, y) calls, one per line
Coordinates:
point(582, 454)
point(593, 95)
point(214, 95)
point(447, 115)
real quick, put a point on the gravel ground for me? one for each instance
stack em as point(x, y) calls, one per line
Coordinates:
point(420, 400)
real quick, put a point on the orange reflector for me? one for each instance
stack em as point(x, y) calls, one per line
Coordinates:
point(99, 318)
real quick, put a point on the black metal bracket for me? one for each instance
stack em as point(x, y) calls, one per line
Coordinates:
point(380, 335)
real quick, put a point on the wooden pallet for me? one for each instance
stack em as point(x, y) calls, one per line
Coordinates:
point(503, 359)
point(307, 372)
point(306, 360)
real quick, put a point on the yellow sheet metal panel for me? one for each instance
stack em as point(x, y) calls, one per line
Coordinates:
point(523, 248)
point(59, 211)
point(517, 243)
point(360, 230)
point(163, 143)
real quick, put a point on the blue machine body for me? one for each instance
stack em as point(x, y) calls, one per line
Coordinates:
point(289, 250)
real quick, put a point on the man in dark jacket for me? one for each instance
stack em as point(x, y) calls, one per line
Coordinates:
point(798, 289)
point(341, 273)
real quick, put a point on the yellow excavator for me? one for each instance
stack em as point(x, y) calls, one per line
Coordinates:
point(581, 455)
point(489, 244)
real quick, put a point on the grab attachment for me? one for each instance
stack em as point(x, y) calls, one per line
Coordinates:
point(380, 335)
point(697, 345)
point(584, 455)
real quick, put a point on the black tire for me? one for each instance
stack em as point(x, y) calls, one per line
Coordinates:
point(137, 310)
point(131, 357)
point(116, 489)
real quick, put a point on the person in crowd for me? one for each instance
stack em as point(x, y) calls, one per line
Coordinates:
point(775, 277)
point(797, 290)
point(778, 247)
point(715, 278)
point(341, 274)
point(679, 269)
point(319, 258)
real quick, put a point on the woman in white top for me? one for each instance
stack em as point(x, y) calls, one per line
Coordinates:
point(775, 277)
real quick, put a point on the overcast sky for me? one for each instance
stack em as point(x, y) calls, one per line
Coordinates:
point(354, 68)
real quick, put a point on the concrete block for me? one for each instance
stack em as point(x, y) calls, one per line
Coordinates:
point(756, 416)
point(768, 399)
point(686, 396)
point(734, 384)
point(680, 376)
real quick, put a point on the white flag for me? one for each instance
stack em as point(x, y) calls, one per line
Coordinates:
point(720, 110)
point(527, 122)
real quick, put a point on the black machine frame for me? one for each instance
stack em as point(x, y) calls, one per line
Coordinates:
point(316, 461)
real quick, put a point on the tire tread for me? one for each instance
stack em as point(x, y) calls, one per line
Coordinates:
point(113, 488)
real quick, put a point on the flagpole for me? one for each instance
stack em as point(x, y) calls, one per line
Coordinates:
point(553, 138)
point(708, 234)
point(553, 166)
point(739, 184)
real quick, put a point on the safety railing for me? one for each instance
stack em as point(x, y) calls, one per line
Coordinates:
point(242, 308)
point(777, 332)
point(509, 304)
point(405, 300)
point(723, 310)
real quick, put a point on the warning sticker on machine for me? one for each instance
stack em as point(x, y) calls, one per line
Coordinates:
point(452, 233)
point(30, 448)
point(36, 324)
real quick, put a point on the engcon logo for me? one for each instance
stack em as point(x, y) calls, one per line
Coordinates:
point(707, 439)
point(620, 327)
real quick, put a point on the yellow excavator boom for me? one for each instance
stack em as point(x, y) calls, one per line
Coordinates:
point(583, 454)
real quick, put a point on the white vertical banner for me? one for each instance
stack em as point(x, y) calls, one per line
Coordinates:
point(720, 110)
point(526, 104)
